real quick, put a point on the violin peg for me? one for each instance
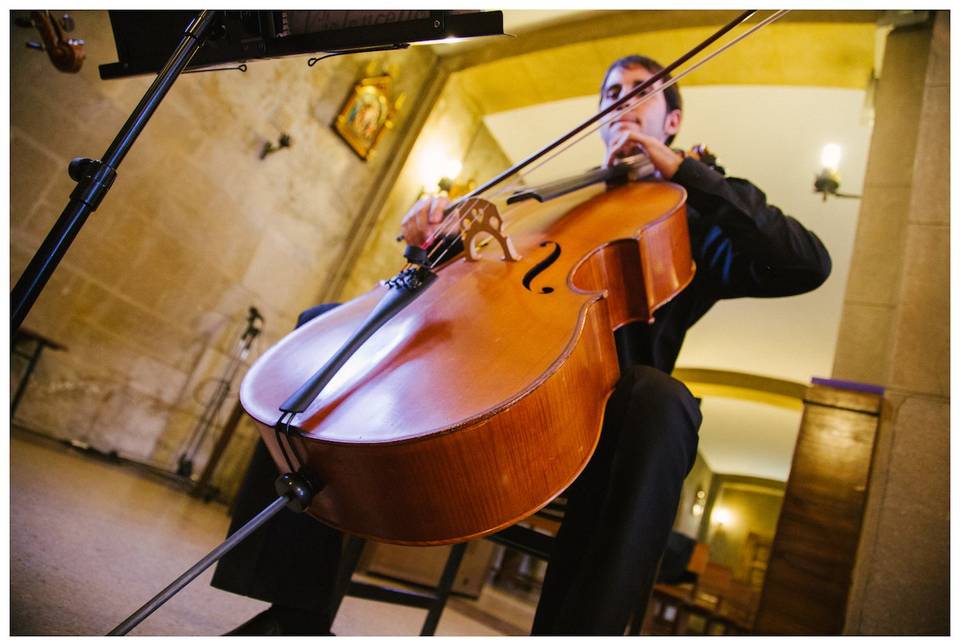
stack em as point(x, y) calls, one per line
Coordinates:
point(67, 22)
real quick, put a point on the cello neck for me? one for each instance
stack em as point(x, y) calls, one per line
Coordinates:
point(633, 168)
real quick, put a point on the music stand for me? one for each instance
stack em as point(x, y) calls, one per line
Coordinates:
point(234, 36)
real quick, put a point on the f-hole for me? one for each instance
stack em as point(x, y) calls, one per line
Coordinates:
point(542, 266)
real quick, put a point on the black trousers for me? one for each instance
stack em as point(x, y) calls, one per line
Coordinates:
point(619, 513)
point(292, 559)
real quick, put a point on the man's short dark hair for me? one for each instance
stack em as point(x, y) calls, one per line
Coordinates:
point(671, 94)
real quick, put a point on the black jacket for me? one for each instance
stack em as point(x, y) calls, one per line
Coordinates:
point(742, 246)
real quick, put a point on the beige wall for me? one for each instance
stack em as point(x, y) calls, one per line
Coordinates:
point(753, 508)
point(700, 477)
point(151, 296)
point(895, 333)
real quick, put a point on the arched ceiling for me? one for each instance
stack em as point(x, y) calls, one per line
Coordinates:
point(806, 48)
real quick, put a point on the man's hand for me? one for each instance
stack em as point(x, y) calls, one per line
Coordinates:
point(630, 141)
point(423, 219)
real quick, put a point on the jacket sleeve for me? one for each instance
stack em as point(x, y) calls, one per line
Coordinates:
point(751, 248)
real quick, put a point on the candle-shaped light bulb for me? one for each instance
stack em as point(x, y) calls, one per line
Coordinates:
point(830, 157)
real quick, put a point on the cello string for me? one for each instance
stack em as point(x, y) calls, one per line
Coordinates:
point(513, 173)
point(616, 106)
point(632, 103)
point(276, 432)
point(649, 82)
point(452, 221)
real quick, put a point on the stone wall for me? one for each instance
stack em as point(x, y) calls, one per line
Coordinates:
point(151, 297)
point(895, 332)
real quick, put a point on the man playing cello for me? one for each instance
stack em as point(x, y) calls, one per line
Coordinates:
point(621, 508)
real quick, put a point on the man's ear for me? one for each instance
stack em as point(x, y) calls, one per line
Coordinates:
point(671, 124)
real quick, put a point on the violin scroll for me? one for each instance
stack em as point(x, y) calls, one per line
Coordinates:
point(66, 54)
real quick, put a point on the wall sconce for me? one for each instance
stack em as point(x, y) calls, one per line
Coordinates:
point(721, 517)
point(439, 174)
point(699, 502)
point(435, 166)
point(269, 147)
point(827, 182)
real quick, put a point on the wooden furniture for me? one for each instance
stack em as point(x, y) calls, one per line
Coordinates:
point(424, 566)
point(716, 604)
point(522, 537)
point(528, 536)
point(712, 586)
point(433, 601)
point(812, 557)
point(740, 604)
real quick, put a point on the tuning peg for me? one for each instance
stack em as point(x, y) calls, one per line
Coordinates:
point(35, 45)
point(67, 22)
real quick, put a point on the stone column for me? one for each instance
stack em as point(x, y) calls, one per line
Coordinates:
point(895, 332)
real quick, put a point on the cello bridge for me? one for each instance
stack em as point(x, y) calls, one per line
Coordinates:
point(480, 217)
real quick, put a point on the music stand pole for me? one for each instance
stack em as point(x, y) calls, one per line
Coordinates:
point(95, 178)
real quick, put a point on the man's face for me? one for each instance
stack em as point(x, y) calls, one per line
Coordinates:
point(650, 116)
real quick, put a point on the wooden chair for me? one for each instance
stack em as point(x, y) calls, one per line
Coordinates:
point(526, 536)
point(712, 586)
point(740, 604)
point(669, 603)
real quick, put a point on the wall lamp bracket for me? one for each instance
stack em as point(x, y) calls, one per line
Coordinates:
point(827, 183)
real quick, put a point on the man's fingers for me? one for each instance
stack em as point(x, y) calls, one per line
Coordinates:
point(625, 145)
point(630, 143)
point(422, 220)
point(410, 225)
point(437, 208)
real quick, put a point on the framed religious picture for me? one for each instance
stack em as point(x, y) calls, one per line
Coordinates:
point(366, 115)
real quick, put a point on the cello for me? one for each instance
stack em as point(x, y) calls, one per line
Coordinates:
point(515, 337)
point(461, 396)
point(517, 387)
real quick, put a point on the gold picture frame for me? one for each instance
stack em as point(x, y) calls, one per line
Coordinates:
point(366, 115)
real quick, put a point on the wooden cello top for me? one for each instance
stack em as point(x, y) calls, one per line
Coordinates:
point(478, 340)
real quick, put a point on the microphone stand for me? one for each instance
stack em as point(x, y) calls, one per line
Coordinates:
point(95, 177)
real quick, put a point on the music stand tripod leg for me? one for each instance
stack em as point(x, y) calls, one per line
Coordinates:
point(95, 177)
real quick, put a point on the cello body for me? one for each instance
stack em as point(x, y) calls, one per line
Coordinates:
point(479, 403)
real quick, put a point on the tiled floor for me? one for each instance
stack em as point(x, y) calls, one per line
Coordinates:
point(90, 542)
